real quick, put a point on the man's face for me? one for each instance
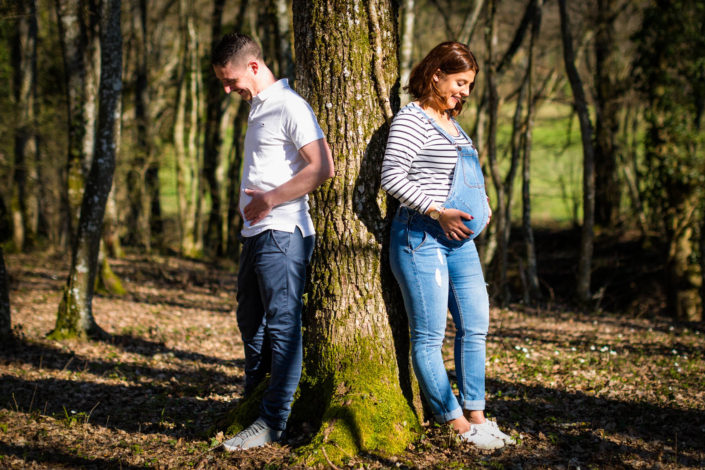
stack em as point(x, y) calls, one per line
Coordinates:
point(239, 78)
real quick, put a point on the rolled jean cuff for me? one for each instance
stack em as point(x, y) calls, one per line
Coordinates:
point(451, 415)
point(474, 405)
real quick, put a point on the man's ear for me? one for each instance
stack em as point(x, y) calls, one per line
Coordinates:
point(254, 65)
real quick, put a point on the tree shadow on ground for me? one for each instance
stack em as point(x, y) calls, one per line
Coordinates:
point(31, 454)
point(575, 423)
point(148, 397)
point(588, 341)
point(173, 409)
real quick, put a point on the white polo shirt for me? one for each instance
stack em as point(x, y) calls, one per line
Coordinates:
point(279, 124)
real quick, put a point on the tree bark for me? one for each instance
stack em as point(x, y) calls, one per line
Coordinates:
point(215, 105)
point(5, 315)
point(608, 97)
point(24, 58)
point(5, 312)
point(532, 278)
point(580, 103)
point(491, 147)
point(138, 216)
point(186, 137)
point(75, 316)
point(406, 41)
point(72, 33)
point(356, 337)
point(234, 171)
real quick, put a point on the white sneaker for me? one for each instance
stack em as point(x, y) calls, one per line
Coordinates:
point(256, 435)
point(491, 427)
point(479, 436)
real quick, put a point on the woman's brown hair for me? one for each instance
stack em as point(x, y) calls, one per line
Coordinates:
point(446, 58)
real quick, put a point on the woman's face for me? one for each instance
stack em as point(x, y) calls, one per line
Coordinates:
point(454, 87)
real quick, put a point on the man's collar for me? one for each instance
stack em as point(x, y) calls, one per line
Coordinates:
point(270, 90)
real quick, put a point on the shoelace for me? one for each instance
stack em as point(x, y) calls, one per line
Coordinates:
point(254, 429)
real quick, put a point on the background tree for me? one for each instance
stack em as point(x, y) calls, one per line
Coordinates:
point(609, 95)
point(581, 108)
point(75, 316)
point(215, 108)
point(671, 69)
point(76, 28)
point(5, 314)
point(24, 203)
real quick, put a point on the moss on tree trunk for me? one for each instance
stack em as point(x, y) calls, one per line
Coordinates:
point(356, 381)
point(357, 388)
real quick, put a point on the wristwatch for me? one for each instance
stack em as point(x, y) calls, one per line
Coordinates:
point(436, 212)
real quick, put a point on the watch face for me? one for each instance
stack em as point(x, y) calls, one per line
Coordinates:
point(435, 214)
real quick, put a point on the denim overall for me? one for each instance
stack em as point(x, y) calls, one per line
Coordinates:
point(437, 274)
point(467, 191)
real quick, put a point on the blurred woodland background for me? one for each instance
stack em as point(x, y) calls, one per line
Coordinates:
point(120, 160)
point(587, 115)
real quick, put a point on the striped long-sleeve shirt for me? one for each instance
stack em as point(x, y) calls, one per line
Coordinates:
point(419, 161)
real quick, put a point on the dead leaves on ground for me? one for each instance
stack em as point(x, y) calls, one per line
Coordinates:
point(578, 391)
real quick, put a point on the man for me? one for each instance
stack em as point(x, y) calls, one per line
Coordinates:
point(286, 157)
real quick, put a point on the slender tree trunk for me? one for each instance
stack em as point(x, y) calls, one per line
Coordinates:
point(629, 166)
point(285, 37)
point(355, 331)
point(470, 23)
point(5, 316)
point(24, 57)
point(504, 236)
point(234, 172)
point(186, 133)
point(580, 103)
point(72, 33)
point(212, 142)
point(5, 313)
point(138, 216)
point(608, 190)
point(499, 214)
point(532, 277)
point(233, 217)
point(701, 242)
point(406, 41)
point(75, 316)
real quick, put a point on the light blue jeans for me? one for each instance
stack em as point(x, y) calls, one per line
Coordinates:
point(437, 274)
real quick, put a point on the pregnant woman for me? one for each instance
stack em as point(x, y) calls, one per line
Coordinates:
point(431, 167)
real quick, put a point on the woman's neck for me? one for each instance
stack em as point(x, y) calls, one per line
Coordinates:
point(441, 116)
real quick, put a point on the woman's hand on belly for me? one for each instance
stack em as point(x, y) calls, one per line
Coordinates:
point(451, 221)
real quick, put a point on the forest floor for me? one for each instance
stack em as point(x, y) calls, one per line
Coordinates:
point(577, 390)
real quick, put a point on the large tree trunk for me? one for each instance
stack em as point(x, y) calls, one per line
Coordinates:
point(212, 141)
point(607, 106)
point(356, 336)
point(580, 103)
point(24, 58)
point(75, 316)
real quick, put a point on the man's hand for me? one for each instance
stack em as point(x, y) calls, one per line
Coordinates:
point(258, 208)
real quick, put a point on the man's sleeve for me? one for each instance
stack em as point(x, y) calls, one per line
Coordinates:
point(300, 123)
